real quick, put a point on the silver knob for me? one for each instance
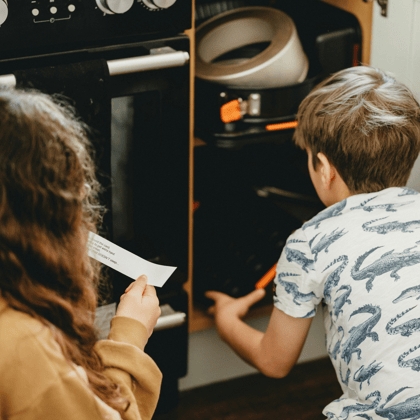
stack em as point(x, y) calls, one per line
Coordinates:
point(4, 11)
point(159, 4)
point(112, 7)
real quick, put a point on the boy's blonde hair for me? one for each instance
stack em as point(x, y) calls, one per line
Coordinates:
point(366, 123)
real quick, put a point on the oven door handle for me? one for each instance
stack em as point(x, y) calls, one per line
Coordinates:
point(158, 59)
point(169, 318)
point(155, 61)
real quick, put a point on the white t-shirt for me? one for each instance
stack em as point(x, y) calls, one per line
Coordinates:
point(360, 259)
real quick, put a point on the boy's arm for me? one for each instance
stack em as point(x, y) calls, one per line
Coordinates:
point(274, 352)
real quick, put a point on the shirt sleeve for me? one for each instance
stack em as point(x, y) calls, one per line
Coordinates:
point(130, 367)
point(297, 290)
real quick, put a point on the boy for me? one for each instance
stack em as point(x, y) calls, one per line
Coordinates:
point(359, 258)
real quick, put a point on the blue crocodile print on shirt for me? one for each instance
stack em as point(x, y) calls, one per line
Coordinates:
point(361, 260)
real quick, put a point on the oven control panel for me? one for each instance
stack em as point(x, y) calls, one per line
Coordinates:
point(29, 27)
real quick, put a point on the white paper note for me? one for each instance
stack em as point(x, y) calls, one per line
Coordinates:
point(126, 262)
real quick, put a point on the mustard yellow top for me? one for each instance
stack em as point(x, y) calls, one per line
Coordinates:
point(36, 381)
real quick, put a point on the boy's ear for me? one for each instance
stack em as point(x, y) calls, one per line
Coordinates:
point(327, 171)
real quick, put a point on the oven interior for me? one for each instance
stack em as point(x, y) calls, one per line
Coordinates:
point(251, 183)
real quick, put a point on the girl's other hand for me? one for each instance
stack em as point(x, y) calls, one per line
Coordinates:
point(140, 302)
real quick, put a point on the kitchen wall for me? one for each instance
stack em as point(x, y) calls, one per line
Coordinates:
point(396, 48)
point(211, 360)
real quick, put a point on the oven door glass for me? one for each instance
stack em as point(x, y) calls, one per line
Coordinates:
point(150, 169)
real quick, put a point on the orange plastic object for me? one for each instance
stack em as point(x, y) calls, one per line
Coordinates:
point(196, 205)
point(281, 126)
point(230, 111)
point(266, 278)
point(356, 48)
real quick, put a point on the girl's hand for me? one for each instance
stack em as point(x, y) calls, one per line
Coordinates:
point(140, 302)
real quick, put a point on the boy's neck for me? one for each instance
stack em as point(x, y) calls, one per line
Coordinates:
point(338, 191)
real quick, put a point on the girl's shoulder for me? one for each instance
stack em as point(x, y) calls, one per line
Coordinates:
point(29, 355)
point(17, 327)
point(27, 345)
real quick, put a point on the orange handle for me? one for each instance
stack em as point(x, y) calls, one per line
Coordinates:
point(266, 278)
point(281, 126)
point(230, 111)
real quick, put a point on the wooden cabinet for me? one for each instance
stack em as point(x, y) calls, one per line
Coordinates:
point(198, 319)
point(363, 12)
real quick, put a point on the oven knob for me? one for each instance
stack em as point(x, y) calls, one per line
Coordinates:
point(112, 7)
point(4, 11)
point(159, 4)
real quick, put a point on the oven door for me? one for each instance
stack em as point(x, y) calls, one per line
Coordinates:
point(144, 164)
point(150, 157)
point(150, 161)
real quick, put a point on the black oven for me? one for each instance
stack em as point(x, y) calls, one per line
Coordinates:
point(125, 67)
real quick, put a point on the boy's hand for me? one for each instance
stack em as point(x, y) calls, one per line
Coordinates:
point(227, 307)
point(140, 302)
point(228, 312)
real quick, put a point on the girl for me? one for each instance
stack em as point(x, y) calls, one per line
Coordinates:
point(51, 364)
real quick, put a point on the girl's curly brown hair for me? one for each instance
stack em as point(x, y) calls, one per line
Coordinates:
point(48, 203)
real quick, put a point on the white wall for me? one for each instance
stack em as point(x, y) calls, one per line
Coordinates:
point(211, 360)
point(396, 49)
